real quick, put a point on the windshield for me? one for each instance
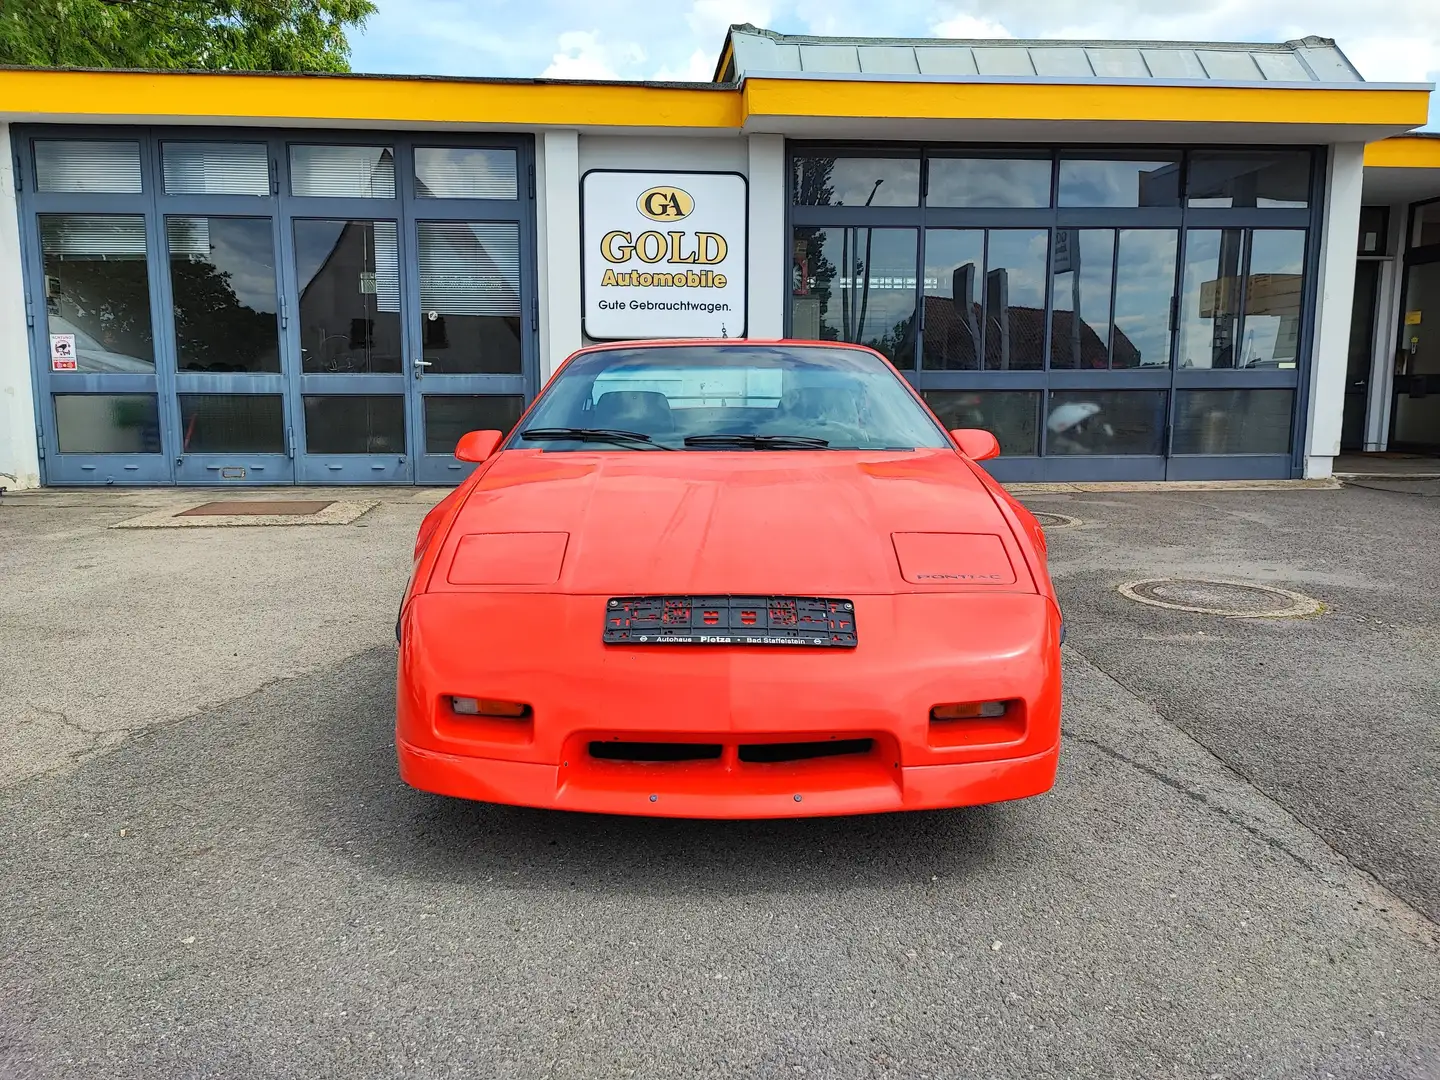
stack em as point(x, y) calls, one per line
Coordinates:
point(728, 397)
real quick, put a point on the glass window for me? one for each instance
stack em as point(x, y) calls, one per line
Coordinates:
point(211, 168)
point(449, 416)
point(349, 278)
point(1015, 270)
point(985, 181)
point(856, 285)
point(97, 289)
point(470, 296)
point(1012, 416)
point(954, 270)
point(1083, 275)
point(1144, 296)
point(1117, 182)
point(88, 165)
point(1279, 178)
point(1374, 236)
point(1272, 299)
point(722, 397)
point(354, 424)
point(1427, 225)
point(222, 281)
point(358, 172)
point(107, 423)
point(1233, 421)
point(443, 172)
point(1106, 422)
point(232, 424)
point(1210, 298)
point(822, 180)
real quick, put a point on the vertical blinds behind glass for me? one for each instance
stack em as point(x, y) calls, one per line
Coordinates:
point(85, 165)
point(356, 172)
point(470, 268)
point(93, 236)
point(207, 168)
point(387, 266)
point(465, 173)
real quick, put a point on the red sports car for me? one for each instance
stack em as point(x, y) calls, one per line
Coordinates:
point(731, 579)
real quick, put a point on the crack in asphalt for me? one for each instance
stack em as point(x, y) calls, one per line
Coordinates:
point(1428, 925)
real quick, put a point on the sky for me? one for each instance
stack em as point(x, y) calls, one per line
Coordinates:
point(1388, 40)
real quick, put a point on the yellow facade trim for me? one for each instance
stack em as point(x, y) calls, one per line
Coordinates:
point(1074, 102)
point(229, 98)
point(102, 95)
point(1404, 152)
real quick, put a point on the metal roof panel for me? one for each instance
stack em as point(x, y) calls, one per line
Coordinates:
point(1118, 63)
point(1230, 65)
point(1003, 60)
point(888, 59)
point(943, 60)
point(836, 59)
point(1062, 62)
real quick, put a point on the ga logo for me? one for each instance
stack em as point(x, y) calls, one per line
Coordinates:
point(665, 204)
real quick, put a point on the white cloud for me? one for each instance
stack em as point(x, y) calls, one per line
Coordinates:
point(711, 18)
point(699, 68)
point(583, 55)
point(969, 26)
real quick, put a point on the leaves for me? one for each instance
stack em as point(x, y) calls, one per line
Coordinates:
point(196, 35)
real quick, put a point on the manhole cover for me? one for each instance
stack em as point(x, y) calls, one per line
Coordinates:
point(1238, 600)
point(1055, 521)
point(255, 507)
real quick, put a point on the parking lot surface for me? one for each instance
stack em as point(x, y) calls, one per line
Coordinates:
point(211, 869)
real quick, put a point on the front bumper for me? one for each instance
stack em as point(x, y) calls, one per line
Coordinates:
point(915, 651)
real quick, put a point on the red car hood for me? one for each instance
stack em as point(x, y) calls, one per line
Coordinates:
point(799, 523)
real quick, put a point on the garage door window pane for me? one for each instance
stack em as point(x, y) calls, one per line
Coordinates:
point(349, 275)
point(355, 424)
point(1273, 292)
point(1080, 323)
point(1015, 271)
point(1279, 178)
point(822, 180)
point(980, 181)
point(88, 165)
point(1096, 182)
point(856, 285)
point(470, 296)
point(357, 172)
point(97, 291)
point(450, 416)
point(222, 277)
point(465, 173)
point(1012, 416)
point(232, 424)
point(1144, 290)
point(1106, 422)
point(1210, 299)
point(1233, 421)
point(107, 423)
point(954, 271)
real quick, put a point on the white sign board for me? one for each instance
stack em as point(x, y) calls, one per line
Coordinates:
point(664, 254)
point(62, 352)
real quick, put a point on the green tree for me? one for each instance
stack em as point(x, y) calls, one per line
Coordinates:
point(196, 35)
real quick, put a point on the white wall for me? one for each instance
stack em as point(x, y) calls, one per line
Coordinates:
point(1336, 298)
point(769, 263)
point(557, 186)
point(19, 453)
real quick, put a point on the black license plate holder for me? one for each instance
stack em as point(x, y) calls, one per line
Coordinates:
point(817, 622)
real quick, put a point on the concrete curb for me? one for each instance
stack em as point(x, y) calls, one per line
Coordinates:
point(1327, 484)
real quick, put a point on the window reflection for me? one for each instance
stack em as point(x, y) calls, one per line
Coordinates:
point(1144, 294)
point(354, 424)
point(470, 296)
point(1012, 416)
point(856, 181)
point(985, 287)
point(1015, 268)
point(222, 280)
point(856, 285)
point(232, 424)
point(981, 181)
point(954, 316)
point(349, 277)
point(1279, 178)
point(1233, 421)
point(1104, 182)
point(1210, 300)
point(449, 416)
point(1272, 299)
point(97, 290)
point(1105, 422)
point(1083, 276)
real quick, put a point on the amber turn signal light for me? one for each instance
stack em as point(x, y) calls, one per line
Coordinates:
point(469, 706)
point(973, 710)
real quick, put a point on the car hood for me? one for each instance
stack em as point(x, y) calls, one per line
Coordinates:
point(823, 523)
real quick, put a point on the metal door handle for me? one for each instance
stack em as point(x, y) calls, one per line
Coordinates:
point(424, 363)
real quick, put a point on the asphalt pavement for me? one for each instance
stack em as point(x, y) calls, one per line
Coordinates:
point(210, 867)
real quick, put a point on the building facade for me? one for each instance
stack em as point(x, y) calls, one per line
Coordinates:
point(1130, 261)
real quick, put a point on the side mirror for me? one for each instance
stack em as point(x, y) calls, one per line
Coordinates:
point(976, 443)
point(477, 446)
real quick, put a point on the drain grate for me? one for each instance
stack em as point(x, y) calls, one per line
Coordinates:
point(1211, 596)
point(256, 507)
point(1051, 521)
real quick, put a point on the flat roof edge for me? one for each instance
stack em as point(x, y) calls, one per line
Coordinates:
point(1061, 80)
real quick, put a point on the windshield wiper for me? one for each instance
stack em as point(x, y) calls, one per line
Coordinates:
point(759, 442)
point(589, 434)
